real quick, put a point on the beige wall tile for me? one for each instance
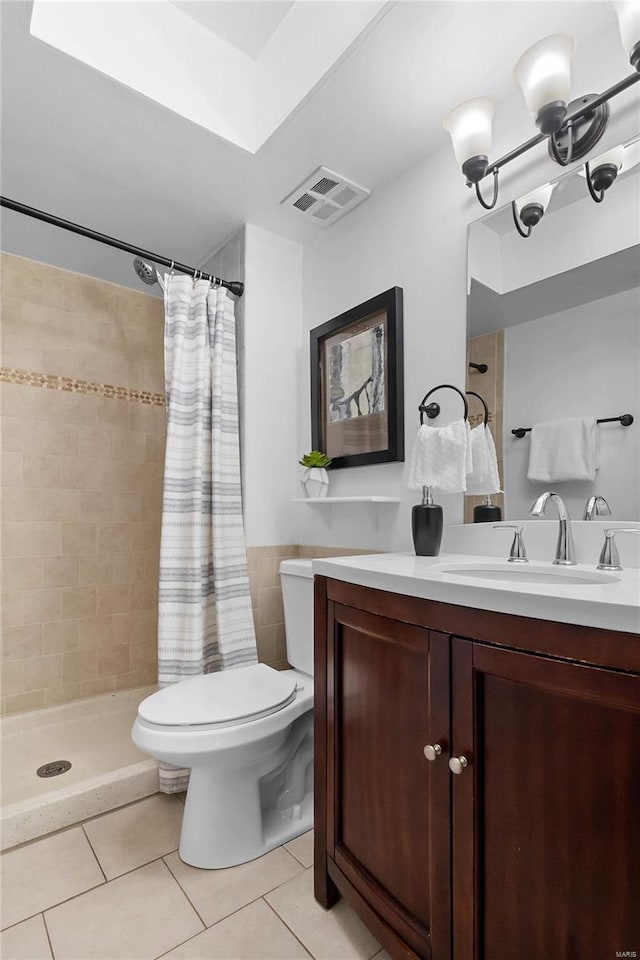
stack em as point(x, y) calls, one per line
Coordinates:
point(42, 673)
point(12, 605)
point(95, 631)
point(41, 471)
point(137, 678)
point(137, 626)
point(154, 447)
point(41, 605)
point(56, 695)
point(143, 656)
point(80, 666)
point(114, 412)
point(30, 403)
point(128, 567)
point(144, 535)
point(113, 661)
point(77, 408)
point(22, 643)
point(128, 505)
point(79, 538)
point(12, 539)
point(21, 573)
point(144, 595)
point(42, 539)
point(270, 609)
point(21, 279)
point(84, 473)
point(95, 441)
point(61, 636)
point(112, 598)
point(96, 569)
point(21, 504)
point(61, 505)
point(96, 505)
point(23, 701)
point(60, 571)
point(113, 537)
point(265, 639)
point(78, 602)
point(12, 677)
point(129, 445)
point(92, 688)
point(11, 469)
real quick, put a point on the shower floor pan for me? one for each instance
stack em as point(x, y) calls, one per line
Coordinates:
point(107, 769)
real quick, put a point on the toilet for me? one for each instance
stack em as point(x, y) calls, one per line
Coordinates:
point(247, 736)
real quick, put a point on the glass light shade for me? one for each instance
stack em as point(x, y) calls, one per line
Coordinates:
point(628, 13)
point(614, 157)
point(631, 155)
point(544, 71)
point(469, 124)
point(541, 195)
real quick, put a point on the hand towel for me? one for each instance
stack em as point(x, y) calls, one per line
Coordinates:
point(563, 450)
point(484, 478)
point(441, 458)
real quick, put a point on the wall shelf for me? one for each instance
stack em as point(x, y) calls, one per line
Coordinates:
point(331, 500)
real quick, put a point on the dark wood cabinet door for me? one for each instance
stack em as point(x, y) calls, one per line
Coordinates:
point(546, 816)
point(388, 806)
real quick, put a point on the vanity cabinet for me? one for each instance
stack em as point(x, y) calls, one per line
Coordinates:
point(531, 850)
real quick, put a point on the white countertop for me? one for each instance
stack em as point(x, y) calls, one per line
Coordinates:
point(613, 605)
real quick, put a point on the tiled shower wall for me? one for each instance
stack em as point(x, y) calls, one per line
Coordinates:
point(82, 458)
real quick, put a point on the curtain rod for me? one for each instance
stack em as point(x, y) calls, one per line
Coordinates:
point(234, 286)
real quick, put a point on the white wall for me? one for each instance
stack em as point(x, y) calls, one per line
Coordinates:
point(272, 356)
point(583, 362)
point(412, 234)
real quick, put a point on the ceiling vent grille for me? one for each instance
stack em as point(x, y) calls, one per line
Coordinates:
point(325, 196)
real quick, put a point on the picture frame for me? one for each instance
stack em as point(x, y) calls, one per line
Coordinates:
point(357, 383)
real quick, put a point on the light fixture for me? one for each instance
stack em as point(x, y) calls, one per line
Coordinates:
point(603, 171)
point(530, 209)
point(543, 74)
point(571, 127)
point(628, 13)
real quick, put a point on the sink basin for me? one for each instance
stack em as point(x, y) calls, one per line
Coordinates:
point(528, 573)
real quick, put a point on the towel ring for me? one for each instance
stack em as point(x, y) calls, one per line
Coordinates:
point(472, 393)
point(433, 409)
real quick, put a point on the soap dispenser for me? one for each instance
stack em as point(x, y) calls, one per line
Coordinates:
point(426, 525)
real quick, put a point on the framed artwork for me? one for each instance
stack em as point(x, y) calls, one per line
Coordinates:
point(357, 383)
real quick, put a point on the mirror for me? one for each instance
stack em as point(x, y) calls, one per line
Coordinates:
point(556, 319)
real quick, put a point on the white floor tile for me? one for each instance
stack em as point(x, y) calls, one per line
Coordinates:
point(217, 893)
point(302, 848)
point(336, 934)
point(253, 933)
point(137, 834)
point(26, 941)
point(136, 917)
point(46, 872)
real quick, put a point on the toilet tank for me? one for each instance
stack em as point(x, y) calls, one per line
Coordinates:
point(297, 594)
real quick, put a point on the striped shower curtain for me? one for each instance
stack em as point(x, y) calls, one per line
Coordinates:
point(205, 619)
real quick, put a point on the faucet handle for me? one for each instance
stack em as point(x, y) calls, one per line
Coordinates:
point(596, 505)
point(609, 556)
point(518, 552)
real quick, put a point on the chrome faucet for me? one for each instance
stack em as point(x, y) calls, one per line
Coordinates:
point(518, 552)
point(596, 506)
point(564, 548)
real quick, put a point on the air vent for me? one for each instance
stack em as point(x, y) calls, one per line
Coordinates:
point(337, 195)
point(305, 201)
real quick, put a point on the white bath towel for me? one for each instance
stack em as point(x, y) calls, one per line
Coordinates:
point(484, 478)
point(441, 458)
point(563, 450)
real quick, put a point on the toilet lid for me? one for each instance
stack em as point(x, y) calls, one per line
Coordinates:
point(229, 697)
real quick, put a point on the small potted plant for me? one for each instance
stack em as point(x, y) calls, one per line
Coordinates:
point(315, 480)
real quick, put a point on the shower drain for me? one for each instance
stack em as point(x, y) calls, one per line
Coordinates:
point(53, 769)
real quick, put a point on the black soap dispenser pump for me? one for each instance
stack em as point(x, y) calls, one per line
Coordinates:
point(426, 525)
point(487, 511)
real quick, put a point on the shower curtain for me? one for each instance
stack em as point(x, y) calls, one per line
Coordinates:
point(205, 621)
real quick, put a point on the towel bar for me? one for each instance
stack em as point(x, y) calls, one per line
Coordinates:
point(626, 419)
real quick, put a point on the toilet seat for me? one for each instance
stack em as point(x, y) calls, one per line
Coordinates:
point(223, 699)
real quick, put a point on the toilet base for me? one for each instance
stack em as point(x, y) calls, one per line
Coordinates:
point(232, 816)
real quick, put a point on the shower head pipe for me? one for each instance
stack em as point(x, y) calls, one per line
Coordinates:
point(233, 286)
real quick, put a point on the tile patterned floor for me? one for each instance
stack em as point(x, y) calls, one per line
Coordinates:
point(114, 888)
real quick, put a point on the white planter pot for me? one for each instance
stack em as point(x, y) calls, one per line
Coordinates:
point(315, 482)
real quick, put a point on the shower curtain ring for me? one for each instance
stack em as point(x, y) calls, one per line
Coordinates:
point(173, 263)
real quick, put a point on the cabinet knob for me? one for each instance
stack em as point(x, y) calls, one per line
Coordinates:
point(432, 751)
point(457, 764)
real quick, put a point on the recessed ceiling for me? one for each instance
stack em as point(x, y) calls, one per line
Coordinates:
point(247, 24)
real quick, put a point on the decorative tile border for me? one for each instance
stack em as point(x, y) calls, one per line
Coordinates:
point(69, 384)
point(476, 418)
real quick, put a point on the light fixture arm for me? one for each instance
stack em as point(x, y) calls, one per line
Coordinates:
point(494, 200)
point(597, 195)
point(516, 219)
point(576, 114)
point(568, 126)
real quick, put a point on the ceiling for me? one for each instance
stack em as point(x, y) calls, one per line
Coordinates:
point(248, 24)
point(83, 147)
